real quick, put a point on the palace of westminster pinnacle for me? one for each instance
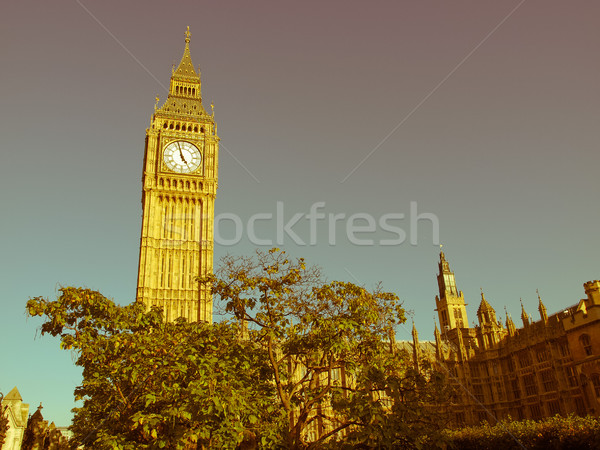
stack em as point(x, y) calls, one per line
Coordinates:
point(548, 366)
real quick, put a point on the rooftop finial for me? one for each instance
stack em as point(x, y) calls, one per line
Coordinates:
point(524, 314)
point(188, 34)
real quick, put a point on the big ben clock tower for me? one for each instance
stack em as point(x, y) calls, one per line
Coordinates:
point(179, 188)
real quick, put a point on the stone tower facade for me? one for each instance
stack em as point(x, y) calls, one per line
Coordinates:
point(450, 304)
point(549, 366)
point(179, 187)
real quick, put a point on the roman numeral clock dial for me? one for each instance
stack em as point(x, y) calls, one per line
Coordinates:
point(182, 157)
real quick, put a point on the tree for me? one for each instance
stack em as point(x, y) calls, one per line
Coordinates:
point(3, 420)
point(151, 384)
point(407, 415)
point(300, 364)
point(331, 347)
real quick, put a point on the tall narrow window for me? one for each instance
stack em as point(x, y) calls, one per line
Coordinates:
point(549, 380)
point(458, 318)
point(596, 382)
point(570, 372)
point(450, 283)
point(515, 389)
point(536, 411)
point(553, 407)
point(586, 343)
point(162, 271)
point(530, 384)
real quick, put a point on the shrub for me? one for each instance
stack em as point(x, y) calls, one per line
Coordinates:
point(558, 432)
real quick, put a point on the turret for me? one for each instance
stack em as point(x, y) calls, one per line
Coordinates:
point(592, 290)
point(450, 304)
point(491, 331)
point(485, 313)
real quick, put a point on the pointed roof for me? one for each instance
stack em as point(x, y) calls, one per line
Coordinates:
point(484, 305)
point(186, 66)
point(524, 315)
point(540, 304)
point(443, 264)
point(509, 322)
point(37, 416)
point(508, 318)
point(13, 395)
point(415, 333)
point(510, 325)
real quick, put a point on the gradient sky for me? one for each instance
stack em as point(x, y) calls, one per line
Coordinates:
point(501, 146)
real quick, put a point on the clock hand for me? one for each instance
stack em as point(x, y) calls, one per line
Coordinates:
point(181, 154)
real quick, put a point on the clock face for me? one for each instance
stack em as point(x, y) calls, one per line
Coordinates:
point(182, 157)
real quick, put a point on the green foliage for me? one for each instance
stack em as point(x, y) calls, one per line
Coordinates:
point(28, 437)
point(565, 433)
point(151, 384)
point(331, 348)
point(398, 409)
point(305, 364)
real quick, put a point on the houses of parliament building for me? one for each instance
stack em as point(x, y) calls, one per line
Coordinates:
point(545, 367)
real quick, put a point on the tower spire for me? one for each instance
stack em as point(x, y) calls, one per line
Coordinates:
point(450, 304)
point(524, 316)
point(438, 341)
point(185, 87)
point(485, 313)
point(510, 325)
point(542, 308)
point(416, 347)
point(185, 69)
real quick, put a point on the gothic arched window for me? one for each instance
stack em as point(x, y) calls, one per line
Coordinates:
point(586, 343)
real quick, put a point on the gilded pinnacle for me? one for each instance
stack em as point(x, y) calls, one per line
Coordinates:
point(186, 66)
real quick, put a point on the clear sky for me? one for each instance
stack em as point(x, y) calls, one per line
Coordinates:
point(484, 113)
